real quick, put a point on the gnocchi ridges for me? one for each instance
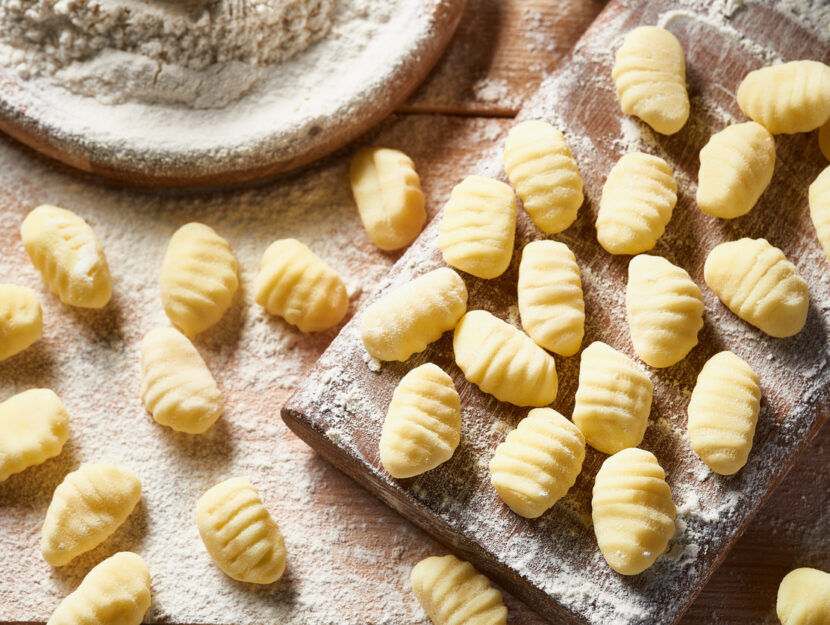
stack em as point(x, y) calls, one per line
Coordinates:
point(21, 319)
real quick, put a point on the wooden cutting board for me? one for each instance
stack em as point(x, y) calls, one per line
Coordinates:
point(553, 563)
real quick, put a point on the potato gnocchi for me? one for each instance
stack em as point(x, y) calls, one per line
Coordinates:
point(613, 399)
point(820, 209)
point(824, 140)
point(21, 319)
point(176, 385)
point(540, 165)
point(423, 423)
point(452, 592)
point(503, 361)
point(64, 249)
point(636, 204)
point(551, 305)
point(410, 317)
point(387, 191)
point(804, 598)
point(239, 533)
point(297, 285)
point(757, 282)
point(86, 508)
point(198, 278)
point(478, 227)
point(538, 462)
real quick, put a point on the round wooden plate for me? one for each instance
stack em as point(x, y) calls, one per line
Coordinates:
point(131, 143)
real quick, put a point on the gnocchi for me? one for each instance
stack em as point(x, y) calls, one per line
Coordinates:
point(723, 412)
point(478, 227)
point(198, 278)
point(176, 385)
point(64, 249)
point(407, 319)
point(538, 462)
point(297, 285)
point(757, 282)
point(551, 306)
point(636, 204)
point(239, 533)
point(824, 139)
point(452, 592)
point(34, 426)
point(540, 165)
point(804, 598)
point(787, 98)
point(736, 166)
point(423, 423)
point(820, 208)
point(86, 508)
point(21, 319)
point(613, 399)
point(650, 77)
point(115, 592)
point(664, 308)
point(387, 191)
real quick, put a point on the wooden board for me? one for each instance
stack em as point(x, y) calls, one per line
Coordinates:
point(553, 563)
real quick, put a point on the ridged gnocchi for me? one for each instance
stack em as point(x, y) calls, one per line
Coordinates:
point(478, 227)
point(423, 423)
point(115, 592)
point(538, 462)
point(632, 510)
point(387, 191)
point(636, 204)
point(452, 592)
point(34, 426)
point(664, 309)
point(64, 249)
point(723, 412)
point(198, 278)
point(176, 385)
point(787, 98)
point(540, 165)
point(804, 598)
point(410, 317)
point(86, 508)
point(650, 77)
point(757, 282)
point(504, 361)
point(239, 534)
point(613, 399)
point(21, 319)
point(819, 197)
point(736, 166)
point(297, 285)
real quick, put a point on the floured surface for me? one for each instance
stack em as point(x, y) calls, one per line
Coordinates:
point(553, 562)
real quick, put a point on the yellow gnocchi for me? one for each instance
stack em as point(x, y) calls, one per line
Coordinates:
point(176, 385)
point(613, 399)
point(478, 227)
point(423, 423)
point(804, 598)
point(632, 510)
point(21, 319)
point(787, 98)
point(387, 191)
point(115, 592)
point(34, 426)
point(723, 412)
point(819, 197)
point(297, 285)
point(64, 249)
point(239, 533)
point(452, 592)
point(650, 77)
point(736, 166)
point(86, 508)
point(538, 462)
point(551, 305)
point(757, 282)
point(824, 139)
point(636, 204)
point(198, 278)
point(504, 361)
point(407, 319)
point(664, 308)
point(540, 165)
